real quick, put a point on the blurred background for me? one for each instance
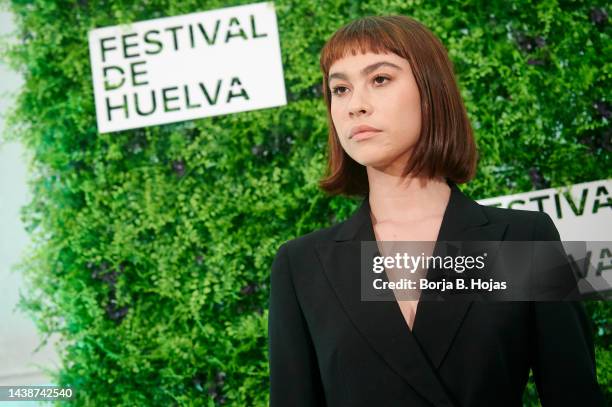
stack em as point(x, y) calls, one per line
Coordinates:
point(134, 265)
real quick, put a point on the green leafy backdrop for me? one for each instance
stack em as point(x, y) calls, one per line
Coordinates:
point(152, 247)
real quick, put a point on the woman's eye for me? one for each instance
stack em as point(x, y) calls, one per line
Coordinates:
point(380, 77)
point(335, 90)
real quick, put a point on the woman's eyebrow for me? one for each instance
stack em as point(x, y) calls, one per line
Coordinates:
point(365, 71)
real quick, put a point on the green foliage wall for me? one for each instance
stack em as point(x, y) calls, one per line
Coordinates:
point(152, 247)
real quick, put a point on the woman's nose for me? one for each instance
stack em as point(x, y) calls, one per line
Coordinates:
point(358, 105)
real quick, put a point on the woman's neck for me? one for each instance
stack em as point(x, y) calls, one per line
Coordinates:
point(396, 199)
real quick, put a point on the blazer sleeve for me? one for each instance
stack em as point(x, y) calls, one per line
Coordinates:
point(294, 372)
point(563, 356)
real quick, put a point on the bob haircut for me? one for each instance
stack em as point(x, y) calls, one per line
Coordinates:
point(446, 144)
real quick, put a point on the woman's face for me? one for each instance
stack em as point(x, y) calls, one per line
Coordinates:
point(376, 90)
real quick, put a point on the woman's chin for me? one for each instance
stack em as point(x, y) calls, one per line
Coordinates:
point(371, 160)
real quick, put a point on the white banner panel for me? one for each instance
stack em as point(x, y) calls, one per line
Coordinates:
point(186, 67)
point(580, 212)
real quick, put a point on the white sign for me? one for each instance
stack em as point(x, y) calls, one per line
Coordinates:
point(186, 67)
point(582, 212)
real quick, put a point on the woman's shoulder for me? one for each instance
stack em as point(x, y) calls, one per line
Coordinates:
point(538, 223)
point(312, 238)
point(302, 250)
point(497, 214)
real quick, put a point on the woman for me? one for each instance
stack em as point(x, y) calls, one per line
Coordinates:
point(400, 137)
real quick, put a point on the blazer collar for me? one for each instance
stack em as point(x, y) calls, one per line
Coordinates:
point(415, 355)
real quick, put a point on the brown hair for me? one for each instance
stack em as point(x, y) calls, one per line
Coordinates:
point(446, 144)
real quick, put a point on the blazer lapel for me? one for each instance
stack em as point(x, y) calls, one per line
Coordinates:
point(437, 322)
point(413, 355)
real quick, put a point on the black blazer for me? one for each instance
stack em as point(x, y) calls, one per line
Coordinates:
point(328, 348)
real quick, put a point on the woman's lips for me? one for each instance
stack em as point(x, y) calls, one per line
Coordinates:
point(362, 135)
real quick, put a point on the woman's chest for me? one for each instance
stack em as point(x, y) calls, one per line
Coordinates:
point(422, 230)
point(494, 334)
